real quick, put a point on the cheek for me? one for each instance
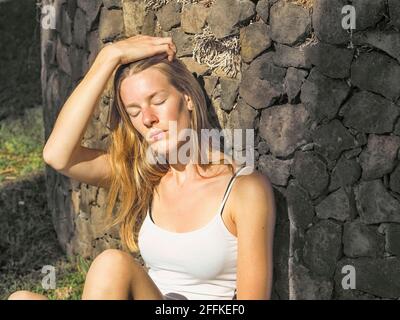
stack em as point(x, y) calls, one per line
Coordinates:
point(138, 125)
point(171, 112)
point(179, 113)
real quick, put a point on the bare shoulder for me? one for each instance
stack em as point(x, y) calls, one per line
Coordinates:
point(248, 184)
point(252, 192)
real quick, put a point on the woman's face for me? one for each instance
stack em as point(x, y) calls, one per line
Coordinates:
point(153, 104)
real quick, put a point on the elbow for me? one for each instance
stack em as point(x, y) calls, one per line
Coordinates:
point(50, 159)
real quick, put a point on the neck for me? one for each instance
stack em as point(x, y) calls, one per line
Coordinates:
point(182, 173)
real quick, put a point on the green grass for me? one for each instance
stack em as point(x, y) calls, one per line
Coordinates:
point(69, 285)
point(27, 237)
point(21, 145)
point(70, 279)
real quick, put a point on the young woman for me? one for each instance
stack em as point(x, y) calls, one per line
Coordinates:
point(204, 230)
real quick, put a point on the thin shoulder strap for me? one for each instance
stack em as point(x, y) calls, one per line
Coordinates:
point(230, 184)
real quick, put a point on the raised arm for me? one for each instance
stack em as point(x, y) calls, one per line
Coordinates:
point(63, 150)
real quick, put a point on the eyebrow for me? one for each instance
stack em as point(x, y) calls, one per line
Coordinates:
point(131, 105)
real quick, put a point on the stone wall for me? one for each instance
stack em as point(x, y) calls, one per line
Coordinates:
point(324, 103)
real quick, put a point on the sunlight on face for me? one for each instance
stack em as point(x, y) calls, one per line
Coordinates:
point(152, 103)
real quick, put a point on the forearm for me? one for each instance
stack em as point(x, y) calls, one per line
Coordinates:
point(74, 116)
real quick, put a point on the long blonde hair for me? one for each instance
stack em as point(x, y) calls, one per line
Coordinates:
point(134, 178)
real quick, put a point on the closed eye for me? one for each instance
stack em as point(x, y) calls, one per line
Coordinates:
point(157, 104)
point(137, 113)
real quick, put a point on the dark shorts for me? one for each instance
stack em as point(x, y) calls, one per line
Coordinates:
point(174, 296)
point(178, 296)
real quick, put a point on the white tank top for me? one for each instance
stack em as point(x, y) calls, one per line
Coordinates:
point(194, 265)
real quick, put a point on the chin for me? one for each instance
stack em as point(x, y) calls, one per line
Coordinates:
point(162, 147)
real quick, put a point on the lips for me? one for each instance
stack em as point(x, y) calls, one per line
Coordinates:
point(157, 135)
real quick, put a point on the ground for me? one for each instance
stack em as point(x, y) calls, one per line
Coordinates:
point(27, 237)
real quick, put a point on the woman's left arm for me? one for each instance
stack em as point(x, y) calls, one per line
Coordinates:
point(254, 216)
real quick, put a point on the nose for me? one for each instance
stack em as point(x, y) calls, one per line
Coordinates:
point(149, 117)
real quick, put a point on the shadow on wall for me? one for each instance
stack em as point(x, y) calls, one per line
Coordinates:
point(344, 189)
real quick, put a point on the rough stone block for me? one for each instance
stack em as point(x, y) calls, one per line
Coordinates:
point(378, 277)
point(300, 207)
point(387, 41)
point(379, 157)
point(368, 12)
point(183, 42)
point(327, 21)
point(370, 113)
point(290, 23)
point(229, 92)
point(378, 73)
point(395, 179)
point(112, 4)
point(254, 39)
point(332, 139)
point(307, 286)
point(394, 12)
point(375, 204)
point(336, 206)
point(330, 60)
point(322, 247)
point(92, 9)
point(262, 9)
point(311, 172)
point(80, 32)
point(262, 82)
point(63, 58)
point(286, 56)
point(277, 170)
point(169, 16)
point(111, 24)
point(323, 96)
point(242, 116)
point(392, 237)
point(135, 18)
point(284, 128)
point(64, 27)
point(361, 241)
point(194, 17)
point(225, 15)
point(345, 173)
point(293, 81)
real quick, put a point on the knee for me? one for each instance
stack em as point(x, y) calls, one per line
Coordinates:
point(113, 256)
point(112, 270)
point(112, 259)
point(21, 295)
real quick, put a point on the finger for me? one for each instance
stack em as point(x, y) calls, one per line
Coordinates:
point(171, 54)
point(166, 40)
point(163, 40)
point(173, 48)
point(164, 48)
